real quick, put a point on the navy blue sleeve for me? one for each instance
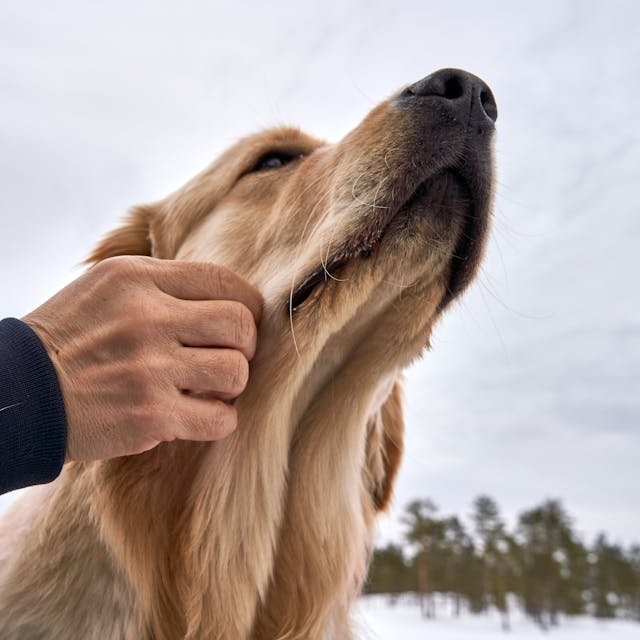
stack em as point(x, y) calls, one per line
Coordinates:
point(33, 424)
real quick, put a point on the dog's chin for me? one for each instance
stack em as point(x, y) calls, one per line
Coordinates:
point(440, 217)
point(440, 198)
point(444, 213)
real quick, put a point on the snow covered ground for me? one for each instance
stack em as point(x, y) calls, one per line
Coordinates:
point(377, 620)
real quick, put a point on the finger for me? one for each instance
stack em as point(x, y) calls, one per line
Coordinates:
point(205, 281)
point(218, 323)
point(204, 418)
point(221, 372)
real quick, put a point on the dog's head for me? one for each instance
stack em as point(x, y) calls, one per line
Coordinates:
point(357, 246)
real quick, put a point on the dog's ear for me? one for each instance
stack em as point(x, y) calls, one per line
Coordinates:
point(385, 434)
point(132, 238)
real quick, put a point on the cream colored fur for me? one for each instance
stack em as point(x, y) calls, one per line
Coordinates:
point(266, 534)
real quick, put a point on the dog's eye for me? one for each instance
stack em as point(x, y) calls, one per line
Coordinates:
point(274, 160)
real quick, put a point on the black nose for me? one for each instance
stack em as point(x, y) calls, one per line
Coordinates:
point(464, 93)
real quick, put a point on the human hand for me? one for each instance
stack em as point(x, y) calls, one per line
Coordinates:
point(148, 351)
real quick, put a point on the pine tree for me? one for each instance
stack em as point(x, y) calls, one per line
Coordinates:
point(458, 552)
point(426, 534)
point(548, 547)
point(633, 557)
point(494, 552)
point(389, 572)
point(614, 585)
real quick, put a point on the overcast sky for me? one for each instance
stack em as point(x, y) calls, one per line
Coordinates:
point(533, 386)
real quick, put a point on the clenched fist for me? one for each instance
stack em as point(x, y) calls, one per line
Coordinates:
point(148, 351)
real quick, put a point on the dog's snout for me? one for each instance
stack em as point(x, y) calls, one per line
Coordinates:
point(463, 92)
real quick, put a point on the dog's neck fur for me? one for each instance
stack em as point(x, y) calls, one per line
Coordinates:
point(310, 546)
point(249, 556)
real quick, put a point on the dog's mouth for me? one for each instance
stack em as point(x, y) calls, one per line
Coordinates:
point(445, 197)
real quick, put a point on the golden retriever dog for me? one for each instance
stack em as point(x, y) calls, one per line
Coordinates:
point(357, 248)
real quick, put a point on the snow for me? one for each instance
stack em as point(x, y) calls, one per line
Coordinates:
point(375, 619)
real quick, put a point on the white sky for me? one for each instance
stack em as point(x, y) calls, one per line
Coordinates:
point(532, 389)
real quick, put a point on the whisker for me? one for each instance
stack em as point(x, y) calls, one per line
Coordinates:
point(298, 253)
point(293, 331)
point(493, 321)
point(375, 195)
point(399, 285)
point(362, 202)
point(324, 260)
point(507, 307)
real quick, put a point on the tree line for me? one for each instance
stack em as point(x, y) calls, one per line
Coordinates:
point(542, 564)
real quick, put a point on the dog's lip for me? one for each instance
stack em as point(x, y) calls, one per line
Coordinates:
point(364, 243)
point(467, 249)
point(317, 278)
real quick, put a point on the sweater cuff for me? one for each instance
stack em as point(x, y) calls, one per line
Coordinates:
point(33, 424)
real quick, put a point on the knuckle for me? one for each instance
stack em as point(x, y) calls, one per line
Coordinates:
point(237, 372)
point(211, 424)
point(149, 419)
point(136, 330)
point(223, 419)
point(145, 324)
point(243, 325)
point(160, 316)
point(161, 419)
point(222, 280)
point(105, 271)
point(118, 267)
point(141, 387)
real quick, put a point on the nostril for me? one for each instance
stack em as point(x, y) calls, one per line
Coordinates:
point(489, 105)
point(449, 84)
point(453, 88)
point(466, 95)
